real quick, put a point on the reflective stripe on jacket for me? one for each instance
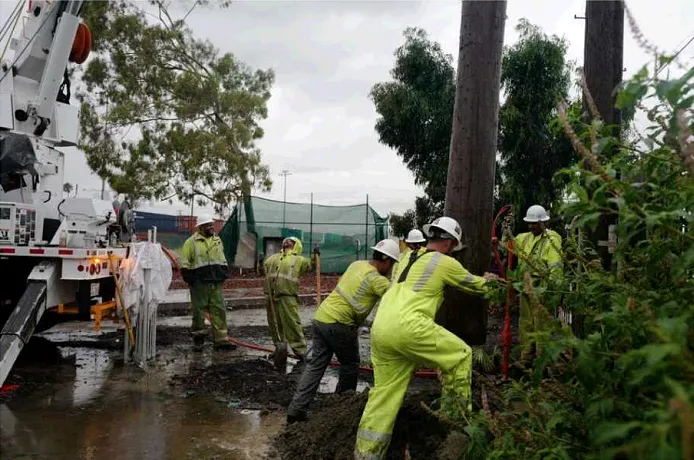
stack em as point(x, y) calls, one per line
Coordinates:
point(544, 251)
point(421, 293)
point(355, 295)
point(283, 271)
point(203, 259)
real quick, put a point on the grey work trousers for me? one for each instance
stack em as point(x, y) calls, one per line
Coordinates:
point(343, 341)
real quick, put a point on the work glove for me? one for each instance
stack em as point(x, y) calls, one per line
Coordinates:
point(316, 251)
point(491, 277)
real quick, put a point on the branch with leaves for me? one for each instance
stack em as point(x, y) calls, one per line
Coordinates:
point(164, 114)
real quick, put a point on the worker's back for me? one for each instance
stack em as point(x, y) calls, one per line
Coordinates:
point(411, 303)
point(355, 295)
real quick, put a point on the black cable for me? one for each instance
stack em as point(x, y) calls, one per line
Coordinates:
point(18, 55)
point(674, 56)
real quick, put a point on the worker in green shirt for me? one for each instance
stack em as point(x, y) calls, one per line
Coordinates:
point(336, 324)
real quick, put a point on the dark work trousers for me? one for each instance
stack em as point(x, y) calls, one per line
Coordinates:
point(335, 338)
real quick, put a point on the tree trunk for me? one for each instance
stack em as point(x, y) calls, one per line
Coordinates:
point(470, 186)
point(603, 67)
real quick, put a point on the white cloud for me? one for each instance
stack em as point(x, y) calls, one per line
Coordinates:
point(328, 54)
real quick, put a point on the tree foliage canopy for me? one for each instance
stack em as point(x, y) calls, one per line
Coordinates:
point(535, 76)
point(416, 110)
point(195, 113)
point(620, 385)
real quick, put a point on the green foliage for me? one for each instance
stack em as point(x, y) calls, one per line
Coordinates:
point(424, 212)
point(620, 385)
point(416, 110)
point(535, 76)
point(401, 224)
point(196, 113)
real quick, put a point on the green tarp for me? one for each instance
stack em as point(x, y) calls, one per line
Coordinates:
point(343, 233)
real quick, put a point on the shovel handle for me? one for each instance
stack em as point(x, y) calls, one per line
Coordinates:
point(318, 290)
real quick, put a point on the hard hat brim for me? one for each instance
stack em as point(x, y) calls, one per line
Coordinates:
point(423, 240)
point(530, 221)
point(427, 230)
point(204, 222)
point(374, 248)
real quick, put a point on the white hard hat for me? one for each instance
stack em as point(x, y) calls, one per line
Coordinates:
point(389, 248)
point(415, 236)
point(204, 219)
point(450, 226)
point(536, 213)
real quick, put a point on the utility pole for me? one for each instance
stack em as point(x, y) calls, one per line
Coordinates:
point(470, 183)
point(285, 173)
point(603, 67)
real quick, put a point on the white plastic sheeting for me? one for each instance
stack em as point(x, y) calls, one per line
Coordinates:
point(145, 256)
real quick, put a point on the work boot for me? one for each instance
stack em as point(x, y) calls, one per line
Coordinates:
point(225, 345)
point(298, 417)
point(198, 342)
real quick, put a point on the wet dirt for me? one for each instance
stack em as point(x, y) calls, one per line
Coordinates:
point(337, 419)
point(78, 399)
point(92, 405)
point(248, 384)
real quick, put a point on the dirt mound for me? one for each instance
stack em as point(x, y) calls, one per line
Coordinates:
point(337, 420)
point(256, 384)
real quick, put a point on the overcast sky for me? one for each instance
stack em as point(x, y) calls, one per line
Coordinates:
point(328, 54)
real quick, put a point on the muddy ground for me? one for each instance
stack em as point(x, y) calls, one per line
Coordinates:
point(217, 387)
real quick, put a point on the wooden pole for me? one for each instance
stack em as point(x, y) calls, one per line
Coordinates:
point(470, 184)
point(603, 67)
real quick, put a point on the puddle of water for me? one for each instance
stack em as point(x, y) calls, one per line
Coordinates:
point(102, 409)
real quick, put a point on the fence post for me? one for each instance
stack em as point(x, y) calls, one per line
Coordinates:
point(366, 240)
point(310, 237)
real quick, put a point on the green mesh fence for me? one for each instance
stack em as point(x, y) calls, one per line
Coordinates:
point(343, 233)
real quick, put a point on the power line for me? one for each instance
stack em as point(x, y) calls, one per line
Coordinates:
point(674, 56)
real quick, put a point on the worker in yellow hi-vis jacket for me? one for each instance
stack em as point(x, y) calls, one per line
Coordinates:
point(415, 240)
point(537, 250)
point(204, 269)
point(283, 272)
point(336, 324)
point(404, 335)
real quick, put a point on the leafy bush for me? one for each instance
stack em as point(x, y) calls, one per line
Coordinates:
point(622, 386)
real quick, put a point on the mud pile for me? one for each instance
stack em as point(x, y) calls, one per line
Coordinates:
point(256, 384)
point(330, 432)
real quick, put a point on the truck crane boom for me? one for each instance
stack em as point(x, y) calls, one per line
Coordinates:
point(53, 251)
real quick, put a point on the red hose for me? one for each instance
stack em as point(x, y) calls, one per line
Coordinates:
point(506, 330)
point(252, 346)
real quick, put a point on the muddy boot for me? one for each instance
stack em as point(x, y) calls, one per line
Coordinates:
point(225, 345)
point(298, 417)
point(198, 342)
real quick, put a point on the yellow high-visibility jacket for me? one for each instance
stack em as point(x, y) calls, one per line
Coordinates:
point(544, 251)
point(420, 295)
point(203, 260)
point(355, 295)
point(283, 271)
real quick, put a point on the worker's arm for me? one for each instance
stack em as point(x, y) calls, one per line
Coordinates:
point(455, 275)
point(379, 285)
point(187, 261)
